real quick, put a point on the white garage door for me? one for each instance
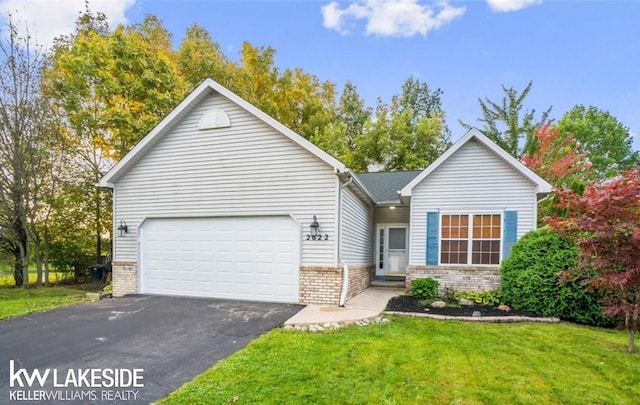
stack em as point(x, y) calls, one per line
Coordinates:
point(253, 258)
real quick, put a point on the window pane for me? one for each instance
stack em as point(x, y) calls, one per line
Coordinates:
point(397, 238)
point(464, 231)
point(464, 221)
point(453, 252)
point(446, 220)
point(486, 252)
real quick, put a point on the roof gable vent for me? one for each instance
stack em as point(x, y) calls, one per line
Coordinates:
point(214, 119)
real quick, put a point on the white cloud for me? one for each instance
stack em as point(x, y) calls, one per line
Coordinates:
point(48, 19)
point(504, 6)
point(393, 18)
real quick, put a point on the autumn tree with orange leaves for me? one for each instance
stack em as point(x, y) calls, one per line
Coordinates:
point(557, 158)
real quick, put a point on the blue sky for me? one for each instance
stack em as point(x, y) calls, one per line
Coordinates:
point(576, 52)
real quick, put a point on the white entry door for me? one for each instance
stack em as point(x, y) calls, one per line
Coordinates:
point(391, 249)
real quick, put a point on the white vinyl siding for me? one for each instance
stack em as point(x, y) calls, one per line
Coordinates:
point(247, 169)
point(473, 179)
point(356, 229)
point(386, 215)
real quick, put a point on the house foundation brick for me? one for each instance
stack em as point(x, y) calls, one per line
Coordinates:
point(360, 276)
point(323, 284)
point(463, 278)
point(320, 284)
point(125, 278)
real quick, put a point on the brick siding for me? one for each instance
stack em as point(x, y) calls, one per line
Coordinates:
point(320, 284)
point(359, 278)
point(463, 278)
point(125, 278)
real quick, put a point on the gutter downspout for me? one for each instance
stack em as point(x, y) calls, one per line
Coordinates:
point(345, 268)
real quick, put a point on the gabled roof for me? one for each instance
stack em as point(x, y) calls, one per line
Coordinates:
point(205, 89)
point(542, 187)
point(385, 186)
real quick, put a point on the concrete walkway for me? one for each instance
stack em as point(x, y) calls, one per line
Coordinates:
point(368, 304)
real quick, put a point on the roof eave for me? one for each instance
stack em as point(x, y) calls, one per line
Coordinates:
point(542, 186)
point(189, 103)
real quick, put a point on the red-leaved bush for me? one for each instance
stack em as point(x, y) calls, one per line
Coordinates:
point(604, 222)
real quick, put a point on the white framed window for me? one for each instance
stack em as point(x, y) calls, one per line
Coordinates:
point(473, 239)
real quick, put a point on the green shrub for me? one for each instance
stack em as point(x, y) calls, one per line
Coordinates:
point(488, 298)
point(531, 280)
point(424, 288)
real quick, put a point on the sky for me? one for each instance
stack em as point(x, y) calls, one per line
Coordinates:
point(575, 52)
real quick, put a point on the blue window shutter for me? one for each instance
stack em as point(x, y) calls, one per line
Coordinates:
point(433, 230)
point(510, 232)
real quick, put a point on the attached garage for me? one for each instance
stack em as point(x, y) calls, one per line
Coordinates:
point(244, 258)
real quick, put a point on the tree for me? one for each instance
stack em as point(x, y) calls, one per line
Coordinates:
point(604, 224)
point(505, 125)
point(345, 135)
point(606, 141)
point(556, 157)
point(297, 99)
point(410, 133)
point(23, 135)
point(110, 88)
point(199, 57)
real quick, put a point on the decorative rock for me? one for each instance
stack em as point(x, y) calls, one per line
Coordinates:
point(504, 308)
point(439, 304)
point(465, 302)
point(476, 314)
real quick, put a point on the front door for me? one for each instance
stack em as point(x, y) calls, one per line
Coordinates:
point(391, 250)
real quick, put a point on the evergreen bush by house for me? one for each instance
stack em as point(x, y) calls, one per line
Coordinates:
point(532, 280)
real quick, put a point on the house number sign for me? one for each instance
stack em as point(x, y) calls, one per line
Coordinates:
point(318, 237)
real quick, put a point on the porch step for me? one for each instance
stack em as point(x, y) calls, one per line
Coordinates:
point(387, 283)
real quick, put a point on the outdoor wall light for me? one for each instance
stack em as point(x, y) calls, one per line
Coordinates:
point(122, 228)
point(314, 227)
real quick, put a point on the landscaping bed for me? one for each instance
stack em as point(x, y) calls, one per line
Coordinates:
point(406, 303)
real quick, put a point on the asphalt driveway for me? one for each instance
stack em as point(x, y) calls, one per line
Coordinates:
point(172, 339)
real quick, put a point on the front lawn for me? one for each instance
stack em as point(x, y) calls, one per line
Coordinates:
point(420, 361)
point(22, 301)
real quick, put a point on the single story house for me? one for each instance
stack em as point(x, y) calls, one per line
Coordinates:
point(221, 200)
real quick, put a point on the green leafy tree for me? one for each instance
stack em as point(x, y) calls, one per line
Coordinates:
point(604, 139)
point(110, 88)
point(199, 57)
point(411, 132)
point(346, 135)
point(508, 125)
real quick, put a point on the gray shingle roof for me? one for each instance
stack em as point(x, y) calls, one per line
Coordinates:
point(384, 186)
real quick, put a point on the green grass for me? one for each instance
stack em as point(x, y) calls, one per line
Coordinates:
point(21, 301)
point(6, 277)
point(420, 361)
